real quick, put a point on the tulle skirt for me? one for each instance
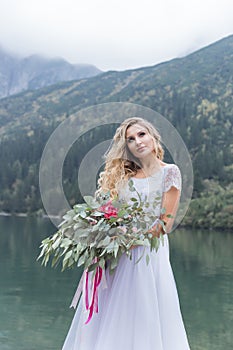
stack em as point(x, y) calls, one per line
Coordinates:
point(139, 309)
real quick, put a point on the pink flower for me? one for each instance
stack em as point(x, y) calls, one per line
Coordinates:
point(109, 210)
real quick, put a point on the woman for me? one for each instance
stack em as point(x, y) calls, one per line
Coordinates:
point(139, 309)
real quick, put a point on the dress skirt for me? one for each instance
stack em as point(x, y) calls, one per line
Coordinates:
point(139, 309)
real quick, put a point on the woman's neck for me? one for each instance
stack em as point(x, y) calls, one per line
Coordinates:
point(149, 166)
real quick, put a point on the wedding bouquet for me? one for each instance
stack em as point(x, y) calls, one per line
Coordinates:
point(95, 234)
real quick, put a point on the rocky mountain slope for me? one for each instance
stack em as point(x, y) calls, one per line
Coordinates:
point(34, 72)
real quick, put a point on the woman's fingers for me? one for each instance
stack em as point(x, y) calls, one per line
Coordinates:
point(156, 230)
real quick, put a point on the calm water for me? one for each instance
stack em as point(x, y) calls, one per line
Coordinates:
point(34, 300)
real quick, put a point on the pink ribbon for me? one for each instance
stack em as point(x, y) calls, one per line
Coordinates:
point(93, 306)
point(83, 286)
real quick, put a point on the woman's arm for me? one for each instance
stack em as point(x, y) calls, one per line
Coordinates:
point(170, 202)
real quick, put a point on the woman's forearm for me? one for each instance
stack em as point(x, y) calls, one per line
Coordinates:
point(170, 204)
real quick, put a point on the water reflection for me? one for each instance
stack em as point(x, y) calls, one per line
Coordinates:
point(202, 262)
point(34, 300)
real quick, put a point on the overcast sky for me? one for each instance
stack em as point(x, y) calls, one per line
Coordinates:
point(113, 34)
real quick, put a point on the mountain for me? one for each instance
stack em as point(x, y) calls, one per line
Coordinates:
point(194, 93)
point(34, 72)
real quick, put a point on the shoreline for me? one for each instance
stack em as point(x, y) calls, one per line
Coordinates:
point(45, 216)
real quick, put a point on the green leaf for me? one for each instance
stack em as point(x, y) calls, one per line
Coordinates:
point(121, 213)
point(133, 199)
point(83, 214)
point(45, 260)
point(116, 248)
point(163, 211)
point(65, 242)
point(78, 225)
point(114, 263)
point(56, 243)
point(140, 258)
point(97, 213)
point(132, 189)
point(106, 241)
point(68, 255)
point(81, 260)
point(93, 267)
point(55, 260)
point(91, 201)
point(71, 262)
point(102, 263)
point(42, 251)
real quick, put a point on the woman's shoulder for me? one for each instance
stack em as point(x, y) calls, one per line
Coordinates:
point(169, 166)
point(172, 176)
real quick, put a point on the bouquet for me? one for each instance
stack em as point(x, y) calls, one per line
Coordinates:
point(95, 234)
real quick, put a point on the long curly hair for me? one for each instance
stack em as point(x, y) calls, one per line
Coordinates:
point(120, 164)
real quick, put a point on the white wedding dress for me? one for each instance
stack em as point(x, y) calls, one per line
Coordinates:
point(139, 309)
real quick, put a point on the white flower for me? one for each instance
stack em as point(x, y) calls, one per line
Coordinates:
point(123, 229)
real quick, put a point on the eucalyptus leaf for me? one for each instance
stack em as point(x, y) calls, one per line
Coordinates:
point(91, 201)
point(97, 213)
point(55, 260)
point(56, 243)
point(140, 258)
point(68, 255)
point(133, 199)
point(93, 267)
point(163, 211)
point(65, 242)
point(83, 214)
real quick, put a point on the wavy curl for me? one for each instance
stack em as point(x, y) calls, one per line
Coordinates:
point(120, 164)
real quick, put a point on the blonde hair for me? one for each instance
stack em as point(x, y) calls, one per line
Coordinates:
point(120, 164)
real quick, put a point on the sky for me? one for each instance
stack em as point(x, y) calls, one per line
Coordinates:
point(113, 34)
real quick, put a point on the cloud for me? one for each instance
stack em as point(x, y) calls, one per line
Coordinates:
point(113, 34)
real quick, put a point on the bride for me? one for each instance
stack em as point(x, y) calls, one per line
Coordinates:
point(139, 309)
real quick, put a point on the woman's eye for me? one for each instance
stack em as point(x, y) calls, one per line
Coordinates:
point(130, 139)
point(142, 133)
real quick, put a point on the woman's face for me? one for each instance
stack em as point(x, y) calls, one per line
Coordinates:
point(139, 141)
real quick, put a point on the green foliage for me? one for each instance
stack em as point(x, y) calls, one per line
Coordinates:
point(214, 209)
point(99, 231)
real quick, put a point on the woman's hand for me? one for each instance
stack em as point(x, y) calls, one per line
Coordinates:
point(157, 230)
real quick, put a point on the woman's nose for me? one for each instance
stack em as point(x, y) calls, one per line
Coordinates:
point(138, 141)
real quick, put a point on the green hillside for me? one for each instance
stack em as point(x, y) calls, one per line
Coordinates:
point(194, 93)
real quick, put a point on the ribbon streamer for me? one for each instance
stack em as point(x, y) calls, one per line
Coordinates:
point(99, 280)
point(77, 293)
point(93, 305)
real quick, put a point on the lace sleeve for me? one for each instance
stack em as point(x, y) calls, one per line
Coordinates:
point(172, 178)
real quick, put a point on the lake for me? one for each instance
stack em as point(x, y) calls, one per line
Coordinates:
point(34, 300)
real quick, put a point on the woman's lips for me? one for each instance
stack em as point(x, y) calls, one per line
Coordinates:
point(140, 149)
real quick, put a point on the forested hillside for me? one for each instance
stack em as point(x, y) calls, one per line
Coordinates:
point(194, 93)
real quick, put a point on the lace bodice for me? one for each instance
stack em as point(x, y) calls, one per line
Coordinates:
point(154, 186)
